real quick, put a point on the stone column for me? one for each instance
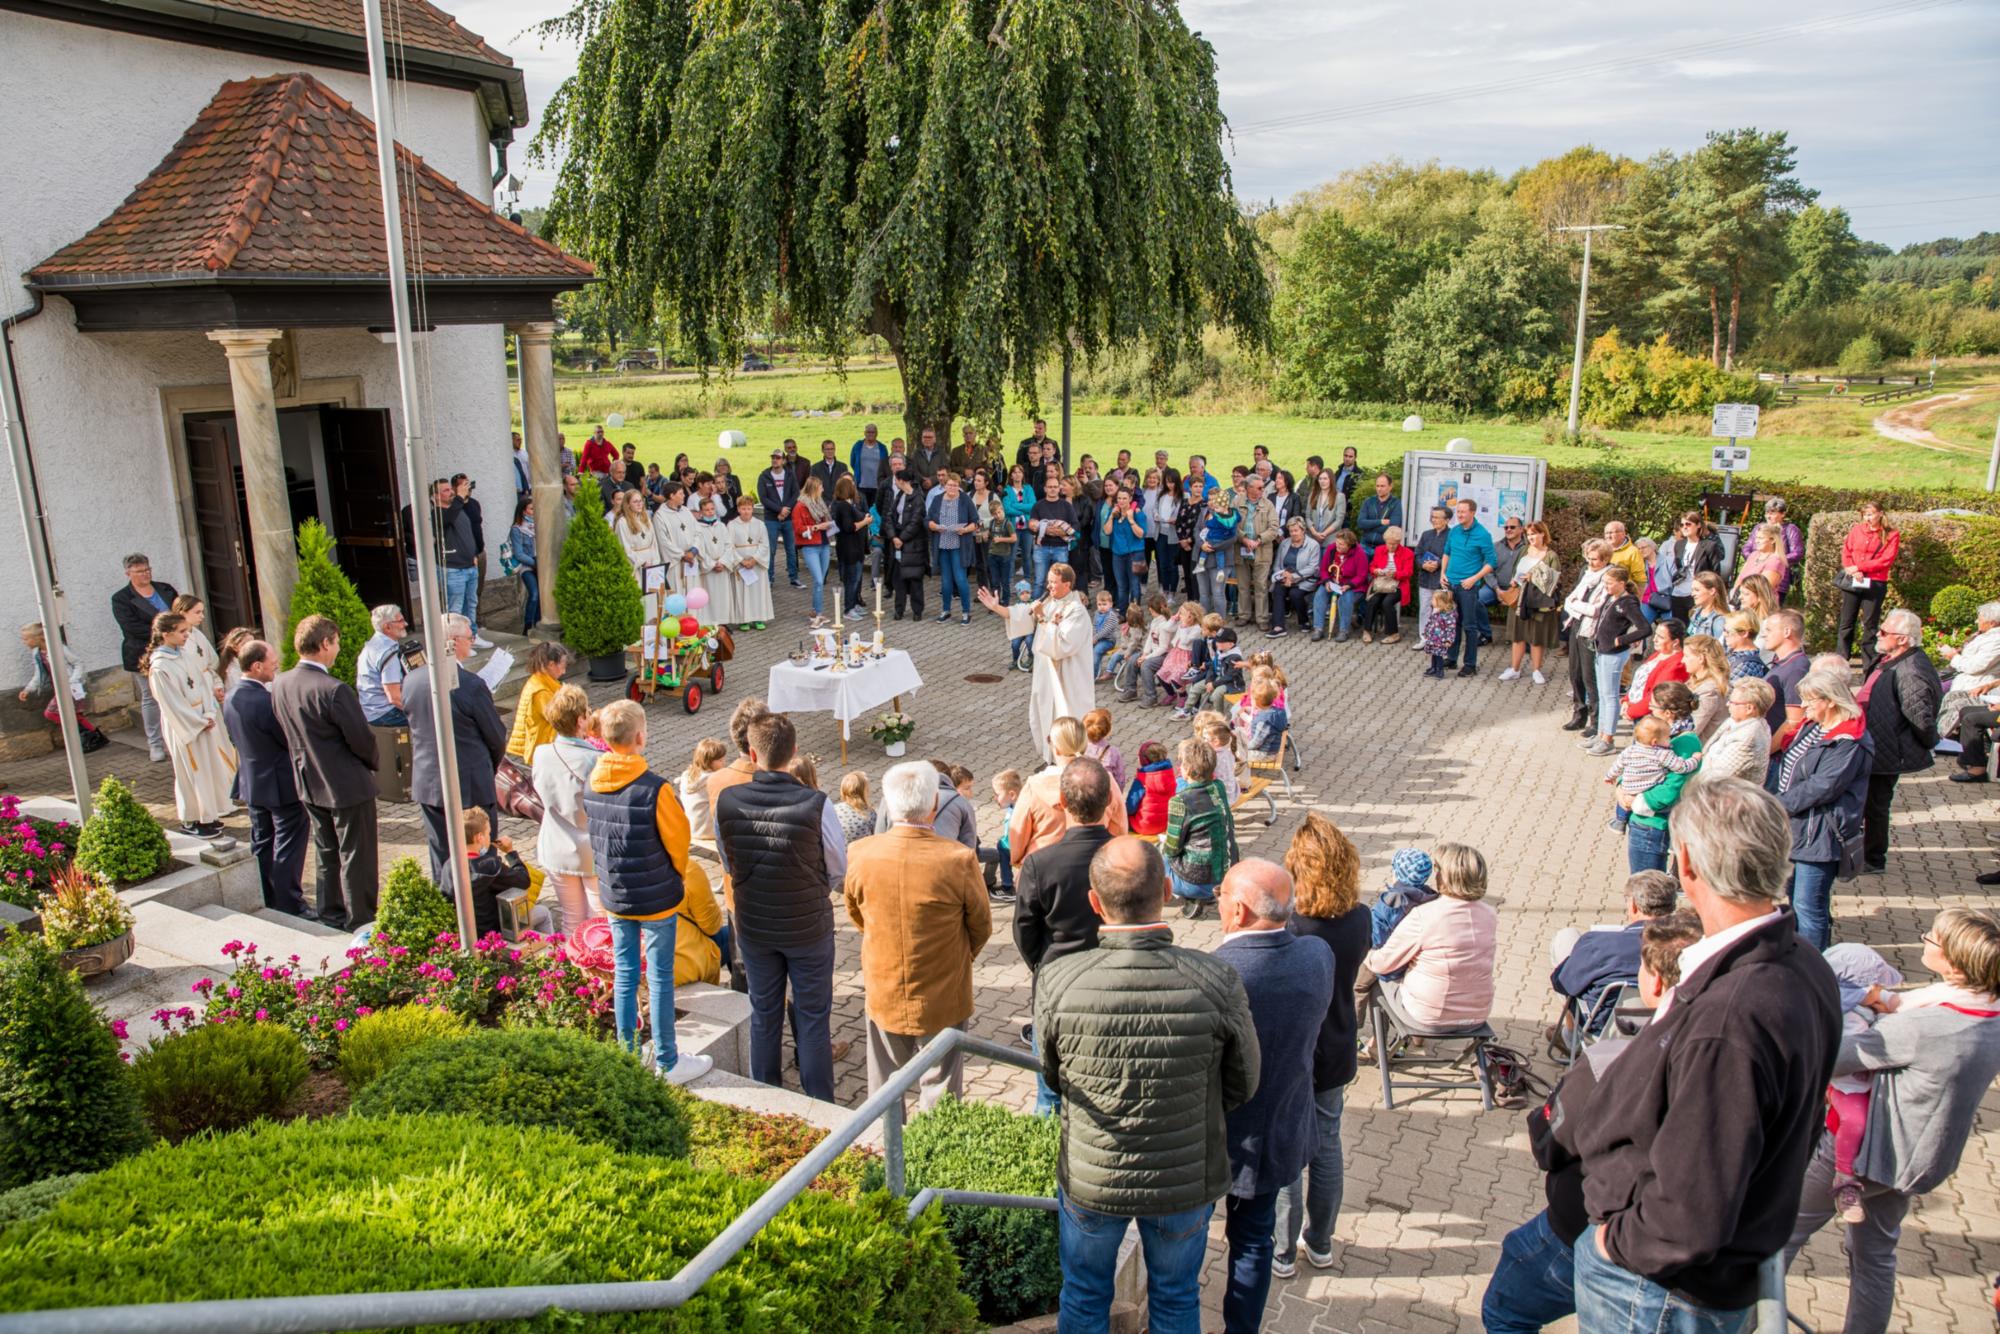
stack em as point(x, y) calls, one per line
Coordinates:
point(538, 434)
point(274, 549)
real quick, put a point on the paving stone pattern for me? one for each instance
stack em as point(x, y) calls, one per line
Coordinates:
point(1394, 759)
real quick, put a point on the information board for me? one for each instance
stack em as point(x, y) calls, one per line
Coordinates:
point(1729, 458)
point(1504, 486)
point(1734, 421)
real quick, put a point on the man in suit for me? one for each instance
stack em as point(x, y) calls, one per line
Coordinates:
point(264, 781)
point(333, 760)
point(479, 740)
point(1052, 913)
point(1289, 980)
point(920, 905)
point(134, 607)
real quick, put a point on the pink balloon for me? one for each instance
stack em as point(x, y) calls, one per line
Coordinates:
point(697, 598)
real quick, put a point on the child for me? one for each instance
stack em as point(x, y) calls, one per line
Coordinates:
point(1131, 636)
point(806, 769)
point(1187, 638)
point(495, 867)
point(1141, 670)
point(36, 640)
point(1223, 673)
point(1151, 792)
point(709, 754)
point(1200, 842)
point(1863, 976)
point(1006, 791)
point(1020, 626)
point(1103, 632)
point(1646, 763)
point(856, 819)
point(1409, 868)
point(1097, 731)
point(1214, 729)
point(1268, 721)
point(1263, 662)
point(1440, 630)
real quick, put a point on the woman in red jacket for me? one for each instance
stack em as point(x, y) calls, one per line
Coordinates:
point(1866, 557)
point(812, 520)
point(1389, 574)
point(1665, 665)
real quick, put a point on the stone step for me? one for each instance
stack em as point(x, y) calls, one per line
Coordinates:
point(196, 937)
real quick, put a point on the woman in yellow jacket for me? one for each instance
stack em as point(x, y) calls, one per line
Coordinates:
point(532, 730)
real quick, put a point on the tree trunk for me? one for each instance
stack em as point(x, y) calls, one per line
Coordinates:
point(931, 403)
point(1714, 327)
point(1735, 311)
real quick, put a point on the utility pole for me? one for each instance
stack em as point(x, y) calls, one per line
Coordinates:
point(1582, 314)
point(1993, 464)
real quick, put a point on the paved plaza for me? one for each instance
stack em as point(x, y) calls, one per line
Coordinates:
point(1394, 759)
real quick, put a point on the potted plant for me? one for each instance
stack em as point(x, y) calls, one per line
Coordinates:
point(596, 596)
point(87, 922)
point(892, 730)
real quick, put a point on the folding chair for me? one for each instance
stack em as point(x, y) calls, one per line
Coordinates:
point(1393, 1024)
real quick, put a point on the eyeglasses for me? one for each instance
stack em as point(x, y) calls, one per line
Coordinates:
point(1930, 940)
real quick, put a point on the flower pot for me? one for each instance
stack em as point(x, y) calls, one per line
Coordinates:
point(894, 749)
point(610, 667)
point(93, 960)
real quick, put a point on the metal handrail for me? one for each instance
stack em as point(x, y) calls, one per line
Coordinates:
point(374, 1310)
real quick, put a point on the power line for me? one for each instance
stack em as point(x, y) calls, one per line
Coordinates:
point(1734, 42)
point(1909, 203)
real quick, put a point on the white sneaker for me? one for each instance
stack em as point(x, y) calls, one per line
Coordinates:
point(1541, 680)
point(481, 641)
point(687, 1069)
point(1283, 1268)
point(1318, 1259)
point(1511, 674)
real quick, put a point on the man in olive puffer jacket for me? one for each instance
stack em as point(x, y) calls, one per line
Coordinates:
point(1148, 1045)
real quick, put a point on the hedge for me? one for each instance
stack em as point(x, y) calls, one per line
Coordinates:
point(378, 1041)
point(352, 1205)
point(1009, 1257)
point(1936, 551)
point(218, 1077)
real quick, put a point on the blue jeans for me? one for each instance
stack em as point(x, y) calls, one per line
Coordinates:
point(1000, 572)
point(1313, 1209)
point(1812, 901)
point(1251, 1220)
point(1323, 601)
point(1047, 1100)
point(1173, 1246)
point(1210, 580)
point(1187, 889)
point(1470, 613)
point(1610, 697)
point(1487, 597)
point(1097, 652)
point(1535, 1282)
point(1610, 1300)
point(953, 578)
point(1127, 585)
point(809, 971)
point(657, 939)
point(1645, 849)
point(816, 558)
point(461, 594)
point(393, 718)
point(531, 601)
point(780, 530)
point(1045, 557)
point(1021, 649)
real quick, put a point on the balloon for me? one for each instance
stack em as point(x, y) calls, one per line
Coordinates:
point(690, 627)
point(677, 605)
point(697, 598)
point(615, 420)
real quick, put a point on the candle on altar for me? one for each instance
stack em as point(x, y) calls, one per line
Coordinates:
point(878, 597)
point(836, 606)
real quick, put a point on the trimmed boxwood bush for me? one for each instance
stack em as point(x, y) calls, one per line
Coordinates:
point(412, 912)
point(218, 1077)
point(37, 1197)
point(67, 1103)
point(1008, 1257)
point(352, 1205)
point(380, 1040)
point(121, 842)
point(537, 1077)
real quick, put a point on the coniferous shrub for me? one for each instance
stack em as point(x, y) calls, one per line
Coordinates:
point(218, 1077)
point(121, 841)
point(596, 595)
point(1008, 1258)
point(378, 1041)
point(37, 1197)
point(324, 590)
point(536, 1077)
point(411, 911)
point(67, 1103)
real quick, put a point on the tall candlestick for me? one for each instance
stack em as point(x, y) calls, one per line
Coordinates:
point(836, 608)
point(878, 597)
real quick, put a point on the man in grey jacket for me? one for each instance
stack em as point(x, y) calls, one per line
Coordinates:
point(1149, 1046)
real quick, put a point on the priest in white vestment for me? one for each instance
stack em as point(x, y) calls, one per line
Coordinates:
point(1063, 686)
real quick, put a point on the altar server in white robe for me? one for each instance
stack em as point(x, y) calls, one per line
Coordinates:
point(634, 528)
point(199, 645)
point(718, 565)
point(674, 538)
point(752, 546)
point(191, 725)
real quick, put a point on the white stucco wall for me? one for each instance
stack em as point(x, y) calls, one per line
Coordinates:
point(93, 404)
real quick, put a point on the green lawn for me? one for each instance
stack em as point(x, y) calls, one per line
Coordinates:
point(1828, 441)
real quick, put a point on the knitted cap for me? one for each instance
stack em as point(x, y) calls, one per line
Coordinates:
point(1410, 866)
point(1023, 586)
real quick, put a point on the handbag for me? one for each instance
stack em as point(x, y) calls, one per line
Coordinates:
point(1850, 856)
point(1510, 596)
point(514, 790)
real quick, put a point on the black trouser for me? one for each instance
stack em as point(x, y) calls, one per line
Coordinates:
point(1084, 553)
point(1383, 609)
point(1866, 607)
point(850, 582)
point(1875, 819)
point(438, 840)
point(1973, 724)
point(278, 837)
point(345, 868)
point(1294, 604)
point(1582, 674)
point(910, 588)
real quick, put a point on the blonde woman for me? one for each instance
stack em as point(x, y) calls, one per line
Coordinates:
point(1739, 644)
point(198, 646)
point(1708, 677)
point(191, 724)
point(709, 754)
point(1756, 596)
point(1711, 605)
point(562, 770)
point(634, 527)
point(1765, 558)
point(1038, 815)
point(1445, 947)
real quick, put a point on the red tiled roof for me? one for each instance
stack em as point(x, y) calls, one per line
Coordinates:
point(277, 179)
point(422, 24)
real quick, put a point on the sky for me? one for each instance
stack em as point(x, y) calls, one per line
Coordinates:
point(1890, 103)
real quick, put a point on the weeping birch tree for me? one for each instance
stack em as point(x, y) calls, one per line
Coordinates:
point(979, 182)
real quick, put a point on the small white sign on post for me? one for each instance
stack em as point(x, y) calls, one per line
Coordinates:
point(1729, 458)
point(1734, 421)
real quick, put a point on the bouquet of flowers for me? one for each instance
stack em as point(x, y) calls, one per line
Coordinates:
point(892, 728)
point(79, 912)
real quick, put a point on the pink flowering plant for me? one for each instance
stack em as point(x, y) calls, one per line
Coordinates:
point(33, 852)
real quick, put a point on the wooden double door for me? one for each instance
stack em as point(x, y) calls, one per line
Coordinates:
point(340, 468)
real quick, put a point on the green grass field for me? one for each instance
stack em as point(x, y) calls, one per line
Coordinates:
point(1829, 441)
